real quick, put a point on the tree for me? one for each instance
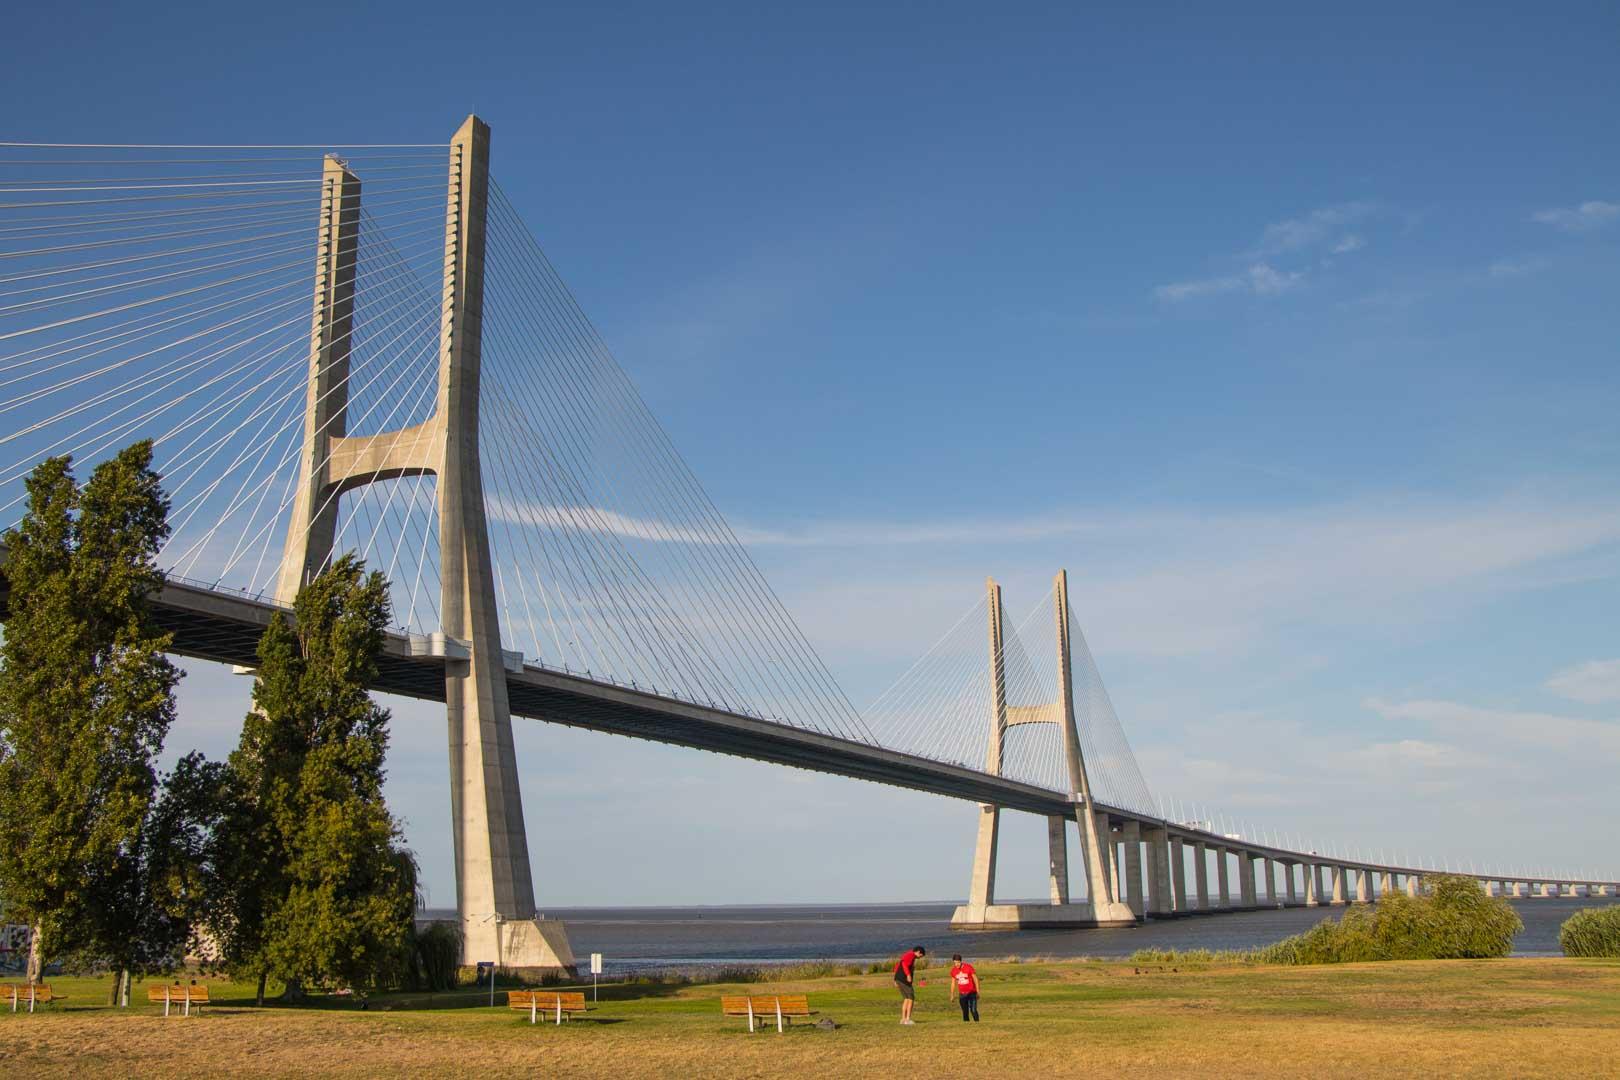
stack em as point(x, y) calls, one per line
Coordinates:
point(157, 895)
point(315, 885)
point(86, 698)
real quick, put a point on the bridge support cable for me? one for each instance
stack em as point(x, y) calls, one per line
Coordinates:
point(164, 294)
point(597, 521)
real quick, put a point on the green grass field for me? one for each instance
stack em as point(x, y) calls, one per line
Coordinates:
point(1516, 1017)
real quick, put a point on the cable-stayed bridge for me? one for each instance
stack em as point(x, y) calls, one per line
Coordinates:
point(363, 348)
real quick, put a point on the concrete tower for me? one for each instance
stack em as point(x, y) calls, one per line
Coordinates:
point(494, 887)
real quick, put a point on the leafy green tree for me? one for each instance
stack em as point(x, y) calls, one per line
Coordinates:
point(315, 884)
point(157, 895)
point(86, 698)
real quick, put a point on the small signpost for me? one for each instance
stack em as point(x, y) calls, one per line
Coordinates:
point(596, 969)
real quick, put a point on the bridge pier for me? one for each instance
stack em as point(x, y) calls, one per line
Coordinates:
point(1201, 875)
point(1273, 889)
point(1133, 870)
point(1246, 895)
point(1412, 884)
point(1223, 888)
point(1098, 855)
point(1290, 890)
point(1157, 844)
point(1364, 887)
point(1178, 874)
point(494, 884)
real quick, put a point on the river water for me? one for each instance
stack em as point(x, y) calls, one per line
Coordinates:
point(643, 939)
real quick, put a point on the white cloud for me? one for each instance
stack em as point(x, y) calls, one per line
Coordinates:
point(1260, 279)
point(1289, 237)
point(1593, 682)
point(1589, 215)
point(1310, 230)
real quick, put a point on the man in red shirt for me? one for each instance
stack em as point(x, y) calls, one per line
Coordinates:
point(965, 982)
point(905, 978)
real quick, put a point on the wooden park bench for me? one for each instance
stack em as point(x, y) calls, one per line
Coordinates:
point(550, 1003)
point(761, 1007)
point(29, 994)
point(187, 996)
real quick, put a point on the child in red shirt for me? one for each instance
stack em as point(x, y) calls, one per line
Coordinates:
point(965, 981)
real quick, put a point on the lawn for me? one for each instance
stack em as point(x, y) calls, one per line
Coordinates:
point(1514, 1017)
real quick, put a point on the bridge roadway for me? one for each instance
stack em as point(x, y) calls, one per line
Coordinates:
point(221, 626)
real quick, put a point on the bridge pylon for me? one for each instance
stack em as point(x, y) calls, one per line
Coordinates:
point(1102, 907)
point(494, 885)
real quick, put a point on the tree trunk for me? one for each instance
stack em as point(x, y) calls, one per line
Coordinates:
point(294, 991)
point(123, 999)
point(262, 977)
point(36, 962)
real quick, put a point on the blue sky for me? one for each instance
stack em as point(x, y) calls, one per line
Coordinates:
point(1292, 337)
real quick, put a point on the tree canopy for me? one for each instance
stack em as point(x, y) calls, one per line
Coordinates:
point(86, 698)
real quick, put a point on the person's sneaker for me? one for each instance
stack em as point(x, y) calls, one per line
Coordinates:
point(908, 1022)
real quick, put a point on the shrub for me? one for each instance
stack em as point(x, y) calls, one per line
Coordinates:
point(1455, 921)
point(433, 957)
point(1591, 932)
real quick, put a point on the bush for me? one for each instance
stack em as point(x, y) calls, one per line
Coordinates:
point(1591, 932)
point(433, 956)
point(1456, 921)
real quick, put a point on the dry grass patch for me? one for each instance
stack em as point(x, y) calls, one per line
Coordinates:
point(1491, 1018)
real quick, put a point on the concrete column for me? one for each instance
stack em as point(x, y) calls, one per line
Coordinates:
point(1364, 887)
point(1339, 891)
point(1114, 856)
point(494, 883)
point(1289, 889)
point(1273, 887)
point(1246, 896)
point(1201, 874)
point(313, 522)
point(1178, 875)
point(1105, 904)
point(1386, 884)
point(982, 885)
point(1157, 844)
point(1057, 858)
point(1133, 869)
point(1313, 886)
point(1223, 888)
point(1412, 884)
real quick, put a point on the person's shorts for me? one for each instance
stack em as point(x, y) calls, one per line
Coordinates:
point(905, 989)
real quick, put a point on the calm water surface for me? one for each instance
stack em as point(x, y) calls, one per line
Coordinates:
point(693, 938)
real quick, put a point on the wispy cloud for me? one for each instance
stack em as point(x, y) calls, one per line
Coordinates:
point(1313, 229)
point(1321, 230)
point(1175, 583)
point(1260, 279)
point(1593, 682)
point(1586, 217)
